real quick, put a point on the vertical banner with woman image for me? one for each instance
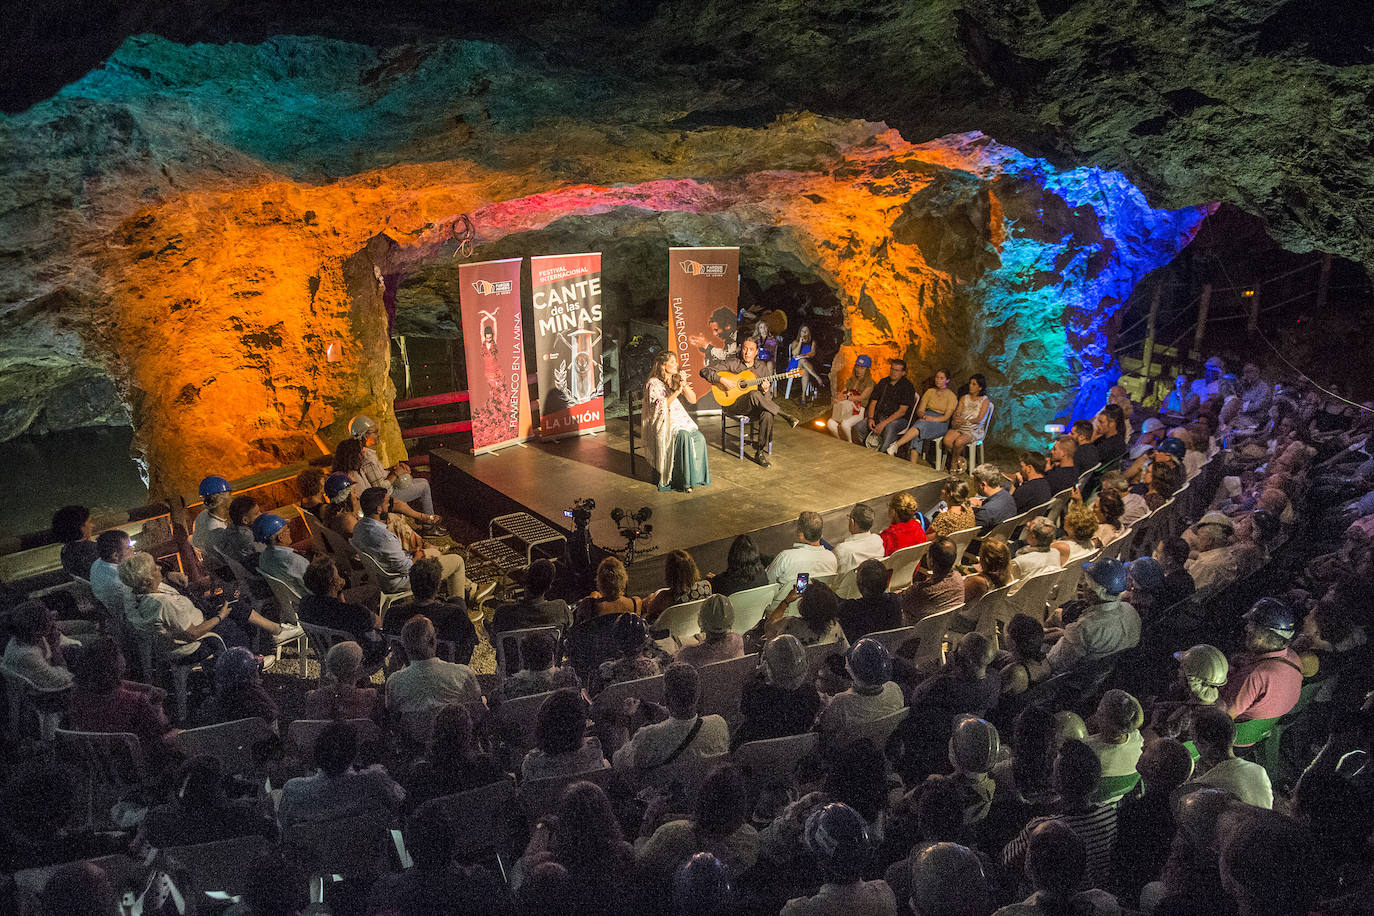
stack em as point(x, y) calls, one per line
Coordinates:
point(494, 344)
point(567, 343)
point(703, 305)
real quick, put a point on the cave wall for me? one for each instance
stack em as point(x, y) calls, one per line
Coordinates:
point(206, 221)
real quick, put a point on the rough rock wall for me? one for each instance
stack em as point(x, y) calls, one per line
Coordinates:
point(213, 219)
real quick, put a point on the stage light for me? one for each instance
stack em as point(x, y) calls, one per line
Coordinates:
point(820, 424)
point(1248, 293)
point(1055, 429)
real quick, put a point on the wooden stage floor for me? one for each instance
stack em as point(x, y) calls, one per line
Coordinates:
point(811, 470)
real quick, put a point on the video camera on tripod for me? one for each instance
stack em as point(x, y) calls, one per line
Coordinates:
point(634, 526)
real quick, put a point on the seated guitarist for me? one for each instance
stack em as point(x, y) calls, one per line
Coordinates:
point(757, 404)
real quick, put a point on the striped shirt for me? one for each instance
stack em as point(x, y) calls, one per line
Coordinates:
point(1096, 827)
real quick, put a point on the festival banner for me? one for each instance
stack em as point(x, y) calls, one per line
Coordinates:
point(567, 343)
point(494, 344)
point(703, 302)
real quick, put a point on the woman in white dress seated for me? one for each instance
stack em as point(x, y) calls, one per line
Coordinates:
point(672, 442)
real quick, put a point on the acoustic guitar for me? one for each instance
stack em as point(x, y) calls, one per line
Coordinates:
point(745, 380)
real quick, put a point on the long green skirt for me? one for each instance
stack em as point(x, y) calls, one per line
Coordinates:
point(689, 461)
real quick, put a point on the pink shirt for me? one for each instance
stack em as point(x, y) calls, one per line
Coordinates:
point(1262, 686)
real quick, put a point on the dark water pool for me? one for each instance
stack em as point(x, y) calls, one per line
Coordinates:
point(88, 467)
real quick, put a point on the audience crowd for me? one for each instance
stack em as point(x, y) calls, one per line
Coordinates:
point(1138, 678)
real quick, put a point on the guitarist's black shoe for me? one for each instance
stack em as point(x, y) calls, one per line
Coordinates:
point(761, 458)
point(789, 419)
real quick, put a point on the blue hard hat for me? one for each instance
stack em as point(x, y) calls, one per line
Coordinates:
point(1109, 574)
point(837, 838)
point(863, 359)
point(1147, 573)
point(702, 885)
point(870, 663)
point(335, 484)
point(266, 526)
point(1172, 446)
point(1273, 614)
point(213, 485)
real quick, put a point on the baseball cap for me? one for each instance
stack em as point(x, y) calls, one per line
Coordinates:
point(863, 359)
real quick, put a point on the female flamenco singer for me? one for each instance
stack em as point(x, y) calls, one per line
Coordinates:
point(672, 442)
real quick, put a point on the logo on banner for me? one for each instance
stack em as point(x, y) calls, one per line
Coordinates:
point(488, 288)
point(698, 269)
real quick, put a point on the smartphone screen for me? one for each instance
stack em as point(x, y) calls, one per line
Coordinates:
point(803, 580)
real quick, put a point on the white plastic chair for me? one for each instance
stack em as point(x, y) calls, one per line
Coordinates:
point(680, 620)
point(961, 541)
point(111, 762)
point(721, 684)
point(539, 797)
point(481, 820)
point(648, 689)
point(995, 605)
point(879, 730)
point(903, 564)
point(224, 867)
point(750, 605)
point(25, 699)
point(774, 757)
point(893, 640)
point(846, 584)
point(231, 742)
point(320, 639)
point(338, 849)
point(380, 578)
point(302, 733)
point(1033, 592)
point(290, 603)
point(521, 714)
point(509, 637)
point(930, 633)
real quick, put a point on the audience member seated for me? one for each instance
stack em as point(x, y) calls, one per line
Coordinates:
point(817, 621)
point(847, 405)
point(1056, 864)
point(876, 609)
point(838, 840)
point(638, 656)
point(435, 883)
point(1151, 431)
point(239, 693)
point(408, 489)
point(372, 537)
point(1145, 588)
point(1109, 434)
point(609, 597)
point(1032, 489)
point(1108, 625)
point(974, 746)
point(685, 731)
point(310, 486)
point(350, 458)
point(450, 618)
point(453, 761)
point(682, 583)
point(936, 586)
point(73, 528)
point(873, 696)
point(337, 789)
point(1267, 862)
point(1202, 671)
point(1211, 563)
point(1022, 664)
point(719, 825)
point(948, 879)
point(104, 702)
point(718, 643)
point(1266, 679)
point(1145, 819)
point(113, 547)
point(1037, 554)
point(161, 612)
point(1061, 473)
point(1085, 457)
point(1076, 775)
point(323, 606)
point(34, 650)
point(957, 514)
point(779, 699)
point(962, 685)
point(427, 684)
point(1080, 529)
point(861, 543)
point(1109, 508)
point(562, 745)
point(342, 697)
point(342, 512)
point(534, 607)
point(1133, 505)
point(237, 540)
point(744, 568)
point(1172, 554)
point(1025, 780)
point(278, 559)
point(1117, 741)
point(806, 555)
point(994, 571)
point(994, 503)
point(584, 837)
point(38, 819)
point(78, 887)
point(201, 811)
point(537, 673)
point(1217, 766)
